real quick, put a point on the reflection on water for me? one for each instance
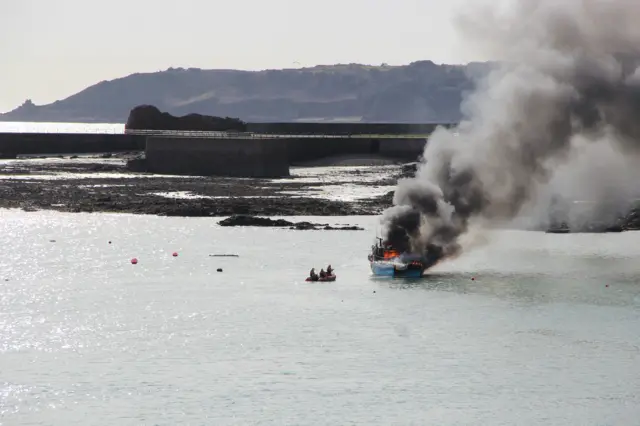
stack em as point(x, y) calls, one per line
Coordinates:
point(32, 127)
point(624, 290)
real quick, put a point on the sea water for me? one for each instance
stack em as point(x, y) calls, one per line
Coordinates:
point(525, 328)
point(32, 127)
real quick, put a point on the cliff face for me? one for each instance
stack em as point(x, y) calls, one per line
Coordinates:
point(419, 92)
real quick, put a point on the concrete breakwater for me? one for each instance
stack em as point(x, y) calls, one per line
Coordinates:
point(215, 153)
point(223, 157)
point(344, 128)
point(13, 144)
point(309, 149)
point(262, 156)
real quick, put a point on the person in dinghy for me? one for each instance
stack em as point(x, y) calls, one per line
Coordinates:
point(322, 276)
point(312, 275)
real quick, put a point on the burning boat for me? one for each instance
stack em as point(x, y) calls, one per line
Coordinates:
point(386, 261)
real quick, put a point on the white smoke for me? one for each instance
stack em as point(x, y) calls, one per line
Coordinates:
point(559, 117)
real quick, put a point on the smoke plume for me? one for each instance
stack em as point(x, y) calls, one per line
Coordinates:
point(567, 87)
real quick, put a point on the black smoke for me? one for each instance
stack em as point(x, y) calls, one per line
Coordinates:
point(569, 75)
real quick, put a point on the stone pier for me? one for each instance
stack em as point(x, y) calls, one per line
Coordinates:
point(234, 157)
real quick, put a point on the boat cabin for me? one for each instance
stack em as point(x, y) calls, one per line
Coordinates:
point(383, 250)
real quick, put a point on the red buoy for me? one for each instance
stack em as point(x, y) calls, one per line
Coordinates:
point(134, 261)
point(175, 254)
point(473, 278)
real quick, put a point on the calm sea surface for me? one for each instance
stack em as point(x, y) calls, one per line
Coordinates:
point(528, 328)
point(27, 127)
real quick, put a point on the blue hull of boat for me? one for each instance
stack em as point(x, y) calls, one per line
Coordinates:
point(390, 271)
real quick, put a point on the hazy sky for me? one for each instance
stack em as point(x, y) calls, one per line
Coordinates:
point(51, 49)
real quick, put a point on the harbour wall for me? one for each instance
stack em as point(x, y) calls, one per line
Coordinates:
point(217, 157)
point(12, 144)
point(308, 149)
point(333, 128)
point(191, 153)
point(261, 157)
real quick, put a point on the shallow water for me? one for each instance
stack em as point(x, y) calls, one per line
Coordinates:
point(521, 330)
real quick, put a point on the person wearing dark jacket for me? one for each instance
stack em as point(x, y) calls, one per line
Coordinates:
point(313, 275)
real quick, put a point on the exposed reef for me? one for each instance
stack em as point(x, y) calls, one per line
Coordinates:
point(247, 220)
point(103, 184)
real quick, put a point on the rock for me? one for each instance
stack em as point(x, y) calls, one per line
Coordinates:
point(558, 231)
point(248, 220)
point(148, 117)
point(588, 228)
point(138, 165)
point(632, 221)
point(102, 168)
point(303, 226)
point(387, 199)
point(343, 228)
point(208, 197)
point(409, 170)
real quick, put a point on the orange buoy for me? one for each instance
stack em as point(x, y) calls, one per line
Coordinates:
point(175, 254)
point(134, 261)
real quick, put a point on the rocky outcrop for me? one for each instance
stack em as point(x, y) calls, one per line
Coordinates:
point(148, 117)
point(137, 165)
point(409, 170)
point(590, 228)
point(27, 108)
point(247, 220)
